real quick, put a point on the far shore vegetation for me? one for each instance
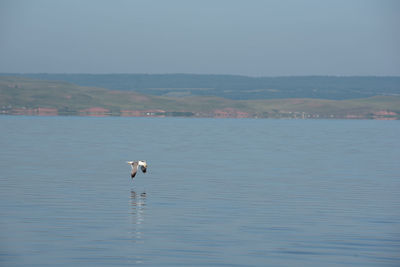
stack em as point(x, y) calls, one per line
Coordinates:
point(194, 96)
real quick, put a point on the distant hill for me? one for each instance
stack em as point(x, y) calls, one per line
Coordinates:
point(25, 96)
point(234, 86)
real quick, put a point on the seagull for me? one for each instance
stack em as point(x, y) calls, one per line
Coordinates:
point(135, 164)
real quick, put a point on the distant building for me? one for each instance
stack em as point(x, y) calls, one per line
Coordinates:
point(95, 111)
point(385, 113)
point(35, 111)
point(230, 113)
point(143, 113)
point(47, 111)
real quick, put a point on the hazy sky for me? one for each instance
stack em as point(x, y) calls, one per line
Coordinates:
point(248, 37)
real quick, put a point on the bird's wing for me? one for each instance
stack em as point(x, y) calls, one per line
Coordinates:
point(134, 169)
point(144, 169)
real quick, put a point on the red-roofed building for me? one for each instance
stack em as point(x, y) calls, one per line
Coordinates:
point(47, 111)
point(385, 113)
point(95, 111)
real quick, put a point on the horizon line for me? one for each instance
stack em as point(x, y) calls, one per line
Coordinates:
point(197, 74)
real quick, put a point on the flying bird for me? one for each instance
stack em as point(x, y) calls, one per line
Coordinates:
point(135, 165)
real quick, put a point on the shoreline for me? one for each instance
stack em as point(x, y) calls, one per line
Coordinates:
point(294, 115)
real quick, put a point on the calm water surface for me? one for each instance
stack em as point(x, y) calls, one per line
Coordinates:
point(217, 192)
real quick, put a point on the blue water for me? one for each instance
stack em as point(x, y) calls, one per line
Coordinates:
point(218, 192)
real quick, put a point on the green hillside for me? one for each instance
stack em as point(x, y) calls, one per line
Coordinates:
point(18, 94)
point(235, 87)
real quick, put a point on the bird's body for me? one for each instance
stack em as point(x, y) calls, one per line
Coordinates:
point(135, 165)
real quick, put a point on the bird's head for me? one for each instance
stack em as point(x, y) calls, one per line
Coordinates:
point(129, 162)
point(142, 163)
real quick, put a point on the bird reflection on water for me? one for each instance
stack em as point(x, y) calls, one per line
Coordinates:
point(138, 204)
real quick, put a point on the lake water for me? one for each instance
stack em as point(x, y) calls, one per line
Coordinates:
point(218, 192)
